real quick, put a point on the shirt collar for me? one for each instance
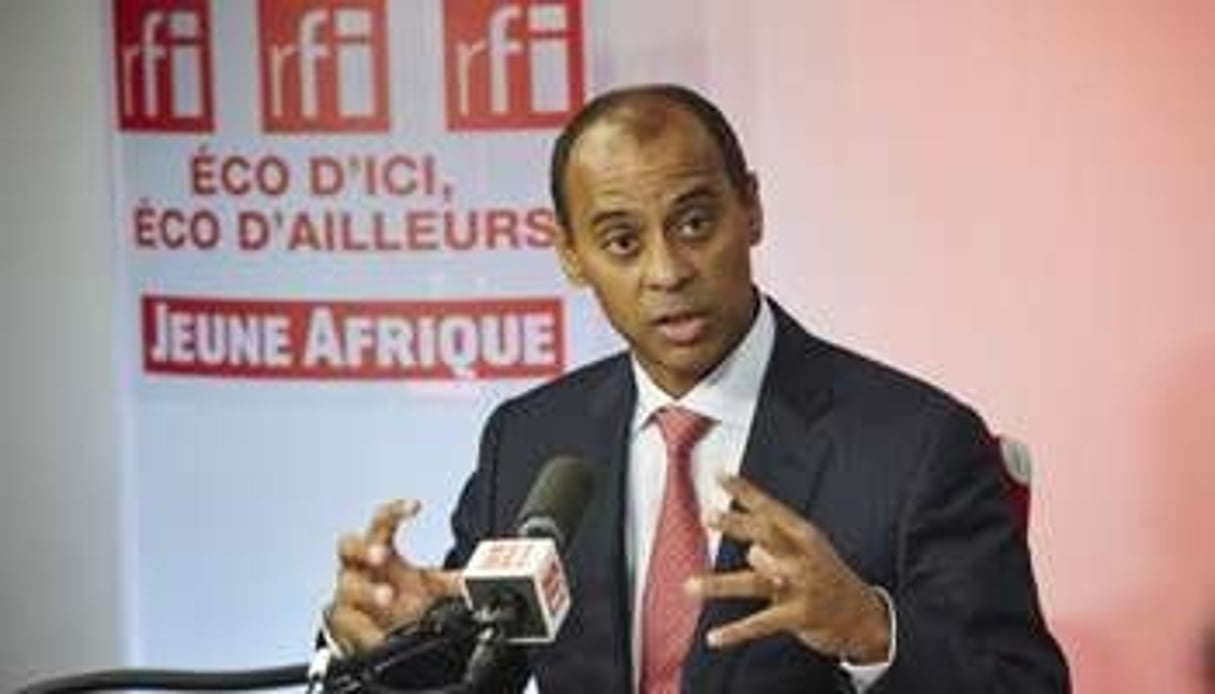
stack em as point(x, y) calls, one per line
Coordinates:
point(729, 393)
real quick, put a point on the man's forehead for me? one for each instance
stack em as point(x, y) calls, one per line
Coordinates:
point(663, 184)
point(679, 148)
point(625, 175)
point(639, 124)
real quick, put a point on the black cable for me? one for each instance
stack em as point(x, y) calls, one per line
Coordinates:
point(446, 624)
point(354, 676)
point(173, 680)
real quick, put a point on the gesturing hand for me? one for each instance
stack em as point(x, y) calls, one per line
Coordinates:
point(378, 589)
point(812, 593)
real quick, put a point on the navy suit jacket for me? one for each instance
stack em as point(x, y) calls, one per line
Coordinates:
point(902, 478)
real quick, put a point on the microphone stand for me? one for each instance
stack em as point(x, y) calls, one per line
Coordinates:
point(361, 673)
point(491, 644)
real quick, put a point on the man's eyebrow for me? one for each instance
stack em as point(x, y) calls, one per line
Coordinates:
point(697, 194)
point(606, 216)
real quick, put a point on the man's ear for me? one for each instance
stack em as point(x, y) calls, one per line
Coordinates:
point(755, 210)
point(571, 264)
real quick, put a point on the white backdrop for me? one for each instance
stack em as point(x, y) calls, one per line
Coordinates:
point(283, 172)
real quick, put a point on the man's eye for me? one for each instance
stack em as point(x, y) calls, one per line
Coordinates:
point(620, 244)
point(694, 224)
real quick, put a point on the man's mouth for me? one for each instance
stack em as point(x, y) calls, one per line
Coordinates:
point(683, 328)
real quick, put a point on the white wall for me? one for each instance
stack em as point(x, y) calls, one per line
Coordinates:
point(60, 486)
point(1014, 201)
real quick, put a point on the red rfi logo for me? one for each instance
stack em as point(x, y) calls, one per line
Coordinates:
point(324, 65)
point(507, 555)
point(162, 57)
point(512, 64)
point(554, 588)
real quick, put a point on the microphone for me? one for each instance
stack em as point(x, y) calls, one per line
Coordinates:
point(516, 587)
point(518, 584)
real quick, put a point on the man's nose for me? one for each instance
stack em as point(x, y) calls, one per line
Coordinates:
point(667, 265)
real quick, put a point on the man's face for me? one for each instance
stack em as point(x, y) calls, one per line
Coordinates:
point(663, 239)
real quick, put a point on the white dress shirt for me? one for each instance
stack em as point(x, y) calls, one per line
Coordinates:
point(728, 396)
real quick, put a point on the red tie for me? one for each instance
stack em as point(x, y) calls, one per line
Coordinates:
point(680, 551)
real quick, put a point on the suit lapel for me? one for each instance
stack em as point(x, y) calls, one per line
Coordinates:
point(611, 405)
point(787, 450)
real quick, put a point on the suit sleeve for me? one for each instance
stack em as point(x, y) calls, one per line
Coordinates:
point(968, 613)
point(473, 520)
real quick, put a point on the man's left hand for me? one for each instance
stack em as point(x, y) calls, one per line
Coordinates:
point(811, 592)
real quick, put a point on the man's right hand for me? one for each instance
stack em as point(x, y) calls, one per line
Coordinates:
point(378, 589)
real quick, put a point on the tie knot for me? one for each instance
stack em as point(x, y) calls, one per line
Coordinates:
point(681, 428)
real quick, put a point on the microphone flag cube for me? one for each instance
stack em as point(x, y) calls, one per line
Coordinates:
point(524, 574)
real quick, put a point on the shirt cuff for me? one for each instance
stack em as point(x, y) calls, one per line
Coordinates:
point(325, 650)
point(327, 641)
point(865, 676)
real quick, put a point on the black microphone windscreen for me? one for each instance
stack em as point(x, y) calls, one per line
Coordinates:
point(557, 499)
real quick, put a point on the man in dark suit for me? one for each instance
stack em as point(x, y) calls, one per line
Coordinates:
point(856, 532)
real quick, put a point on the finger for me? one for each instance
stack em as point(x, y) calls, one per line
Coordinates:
point(383, 528)
point(353, 630)
point(775, 619)
point(768, 564)
point(352, 551)
point(431, 581)
point(754, 499)
point(355, 552)
point(748, 528)
point(417, 591)
point(358, 590)
point(443, 583)
point(735, 584)
point(388, 517)
point(797, 529)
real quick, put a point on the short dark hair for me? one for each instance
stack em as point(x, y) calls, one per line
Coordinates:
point(610, 102)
